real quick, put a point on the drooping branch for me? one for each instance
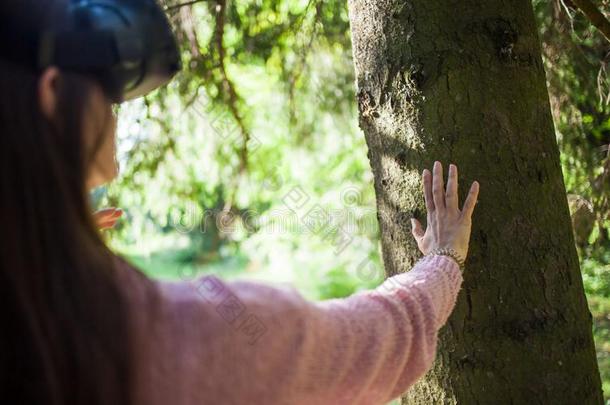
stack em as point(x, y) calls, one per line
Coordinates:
point(228, 84)
point(185, 4)
point(188, 26)
point(594, 15)
point(301, 63)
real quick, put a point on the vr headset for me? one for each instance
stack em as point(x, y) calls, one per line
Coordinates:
point(128, 45)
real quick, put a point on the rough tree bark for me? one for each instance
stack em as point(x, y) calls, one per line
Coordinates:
point(463, 82)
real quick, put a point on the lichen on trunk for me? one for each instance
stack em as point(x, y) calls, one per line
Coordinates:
point(462, 82)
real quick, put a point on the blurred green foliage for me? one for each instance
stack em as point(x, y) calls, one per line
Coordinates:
point(253, 152)
point(251, 163)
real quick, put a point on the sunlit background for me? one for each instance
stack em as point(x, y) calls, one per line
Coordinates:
point(251, 164)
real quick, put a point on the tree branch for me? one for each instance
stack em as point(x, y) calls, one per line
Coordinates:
point(228, 84)
point(594, 15)
point(179, 5)
point(301, 61)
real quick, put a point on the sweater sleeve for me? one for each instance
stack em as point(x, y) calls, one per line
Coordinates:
point(243, 342)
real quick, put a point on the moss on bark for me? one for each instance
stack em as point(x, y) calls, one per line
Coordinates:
point(463, 82)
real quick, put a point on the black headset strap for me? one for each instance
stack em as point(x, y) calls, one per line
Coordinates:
point(70, 50)
point(78, 50)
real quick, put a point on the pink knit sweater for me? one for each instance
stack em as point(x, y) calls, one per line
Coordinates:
point(216, 342)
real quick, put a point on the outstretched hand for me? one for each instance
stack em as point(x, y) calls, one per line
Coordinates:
point(107, 217)
point(447, 226)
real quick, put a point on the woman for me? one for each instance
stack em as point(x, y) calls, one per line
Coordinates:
point(80, 326)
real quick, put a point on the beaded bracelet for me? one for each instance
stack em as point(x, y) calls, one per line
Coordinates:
point(451, 253)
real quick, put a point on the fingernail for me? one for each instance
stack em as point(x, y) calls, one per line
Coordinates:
point(412, 224)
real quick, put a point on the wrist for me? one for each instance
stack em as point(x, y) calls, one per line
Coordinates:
point(450, 253)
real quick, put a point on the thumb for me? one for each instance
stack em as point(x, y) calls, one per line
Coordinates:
point(416, 229)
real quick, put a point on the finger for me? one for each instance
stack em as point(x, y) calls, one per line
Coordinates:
point(438, 191)
point(107, 224)
point(427, 180)
point(105, 212)
point(451, 196)
point(471, 200)
point(117, 213)
point(416, 229)
point(108, 213)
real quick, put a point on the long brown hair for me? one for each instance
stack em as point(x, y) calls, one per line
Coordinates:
point(65, 336)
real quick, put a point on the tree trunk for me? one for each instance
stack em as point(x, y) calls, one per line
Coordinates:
point(462, 82)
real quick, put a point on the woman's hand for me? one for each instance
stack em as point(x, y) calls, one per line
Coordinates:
point(107, 217)
point(447, 226)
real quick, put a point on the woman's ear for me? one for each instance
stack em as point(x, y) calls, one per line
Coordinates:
point(47, 91)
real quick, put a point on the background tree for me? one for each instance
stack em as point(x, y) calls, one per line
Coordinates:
point(464, 82)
